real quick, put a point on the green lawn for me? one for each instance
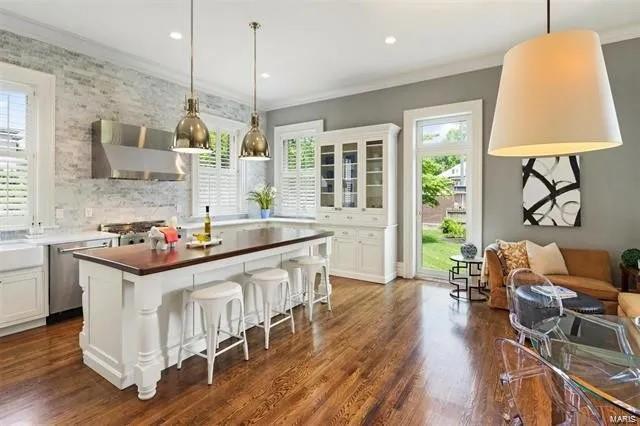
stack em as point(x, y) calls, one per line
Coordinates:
point(436, 250)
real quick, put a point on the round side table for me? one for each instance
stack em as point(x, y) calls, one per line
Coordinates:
point(462, 275)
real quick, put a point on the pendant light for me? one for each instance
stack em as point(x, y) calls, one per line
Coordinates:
point(554, 98)
point(254, 145)
point(191, 135)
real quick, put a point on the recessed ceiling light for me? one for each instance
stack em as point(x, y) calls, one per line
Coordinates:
point(390, 40)
point(175, 35)
point(265, 75)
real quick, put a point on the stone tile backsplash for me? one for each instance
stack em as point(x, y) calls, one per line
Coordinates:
point(88, 89)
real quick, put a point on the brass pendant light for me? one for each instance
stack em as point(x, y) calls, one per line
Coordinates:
point(191, 135)
point(554, 98)
point(254, 145)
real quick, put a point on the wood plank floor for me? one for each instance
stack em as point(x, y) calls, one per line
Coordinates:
point(405, 353)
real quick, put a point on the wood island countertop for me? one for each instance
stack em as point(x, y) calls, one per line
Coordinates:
point(140, 259)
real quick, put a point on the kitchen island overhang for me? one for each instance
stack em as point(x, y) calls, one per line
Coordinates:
point(132, 297)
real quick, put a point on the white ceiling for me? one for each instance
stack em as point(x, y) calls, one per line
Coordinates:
point(312, 49)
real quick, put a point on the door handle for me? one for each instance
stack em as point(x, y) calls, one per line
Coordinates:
point(62, 251)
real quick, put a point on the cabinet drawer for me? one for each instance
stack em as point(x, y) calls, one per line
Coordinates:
point(327, 217)
point(345, 234)
point(371, 219)
point(371, 235)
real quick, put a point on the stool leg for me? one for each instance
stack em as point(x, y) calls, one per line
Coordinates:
point(212, 341)
point(182, 332)
point(245, 346)
point(293, 326)
point(310, 293)
point(267, 320)
point(326, 286)
point(218, 333)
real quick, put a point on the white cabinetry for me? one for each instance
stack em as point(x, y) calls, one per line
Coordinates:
point(22, 297)
point(356, 193)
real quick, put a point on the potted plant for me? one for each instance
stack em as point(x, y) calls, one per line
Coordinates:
point(264, 196)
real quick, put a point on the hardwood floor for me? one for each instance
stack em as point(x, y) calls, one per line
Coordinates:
point(405, 353)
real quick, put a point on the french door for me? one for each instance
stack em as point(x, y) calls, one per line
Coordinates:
point(445, 186)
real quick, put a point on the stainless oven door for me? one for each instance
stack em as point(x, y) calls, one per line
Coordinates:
point(64, 288)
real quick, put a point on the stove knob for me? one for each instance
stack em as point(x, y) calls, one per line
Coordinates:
point(141, 240)
point(130, 241)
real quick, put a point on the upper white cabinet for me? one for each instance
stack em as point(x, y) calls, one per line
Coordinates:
point(356, 181)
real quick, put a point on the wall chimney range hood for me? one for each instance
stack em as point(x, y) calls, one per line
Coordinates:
point(124, 151)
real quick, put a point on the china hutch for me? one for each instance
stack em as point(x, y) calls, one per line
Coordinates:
point(356, 198)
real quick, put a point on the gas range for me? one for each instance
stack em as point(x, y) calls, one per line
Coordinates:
point(134, 232)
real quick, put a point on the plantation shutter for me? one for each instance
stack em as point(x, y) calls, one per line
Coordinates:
point(298, 177)
point(15, 140)
point(218, 175)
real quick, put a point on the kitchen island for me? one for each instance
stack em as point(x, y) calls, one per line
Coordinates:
point(132, 297)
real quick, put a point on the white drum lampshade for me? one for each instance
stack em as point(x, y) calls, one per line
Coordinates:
point(554, 98)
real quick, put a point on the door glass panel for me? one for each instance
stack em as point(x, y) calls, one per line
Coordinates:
point(444, 209)
point(327, 175)
point(350, 175)
point(374, 174)
point(450, 131)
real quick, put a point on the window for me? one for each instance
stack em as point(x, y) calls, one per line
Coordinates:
point(295, 171)
point(26, 148)
point(217, 181)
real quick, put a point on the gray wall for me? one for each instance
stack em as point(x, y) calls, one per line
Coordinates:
point(88, 89)
point(610, 178)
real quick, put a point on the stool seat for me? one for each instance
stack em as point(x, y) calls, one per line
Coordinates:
point(271, 274)
point(218, 291)
point(309, 260)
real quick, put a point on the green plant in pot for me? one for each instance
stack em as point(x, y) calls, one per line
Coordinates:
point(630, 258)
point(264, 195)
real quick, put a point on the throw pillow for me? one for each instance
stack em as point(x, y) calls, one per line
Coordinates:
point(512, 255)
point(546, 260)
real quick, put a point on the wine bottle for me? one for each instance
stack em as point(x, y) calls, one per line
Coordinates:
point(207, 223)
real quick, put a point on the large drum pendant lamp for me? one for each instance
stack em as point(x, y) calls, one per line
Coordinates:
point(554, 98)
point(191, 135)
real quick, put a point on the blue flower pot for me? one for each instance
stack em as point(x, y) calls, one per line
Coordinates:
point(264, 213)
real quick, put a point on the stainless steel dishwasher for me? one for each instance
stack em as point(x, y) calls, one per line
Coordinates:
point(64, 289)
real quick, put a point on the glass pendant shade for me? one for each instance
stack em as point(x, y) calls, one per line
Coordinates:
point(191, 135)
point(255, 145)
point(554, 98)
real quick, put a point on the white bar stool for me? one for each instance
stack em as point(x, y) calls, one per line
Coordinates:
point(270, 281)
point(311, 266)
point(213, 300)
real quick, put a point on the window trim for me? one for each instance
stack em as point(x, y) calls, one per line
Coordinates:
point(289, 131)
point(42, 158)
point(213, 121)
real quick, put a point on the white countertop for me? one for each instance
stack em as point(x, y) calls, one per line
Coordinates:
point(247, 221)
point(58, 237)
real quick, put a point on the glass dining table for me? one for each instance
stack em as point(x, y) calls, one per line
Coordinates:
point(600, 353)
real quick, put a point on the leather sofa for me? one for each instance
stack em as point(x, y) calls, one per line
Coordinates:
point(589, 273)
point(629, 305)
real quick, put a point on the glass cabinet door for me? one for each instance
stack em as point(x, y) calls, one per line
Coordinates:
point(375, 175)
point(350, 175)
point(327, 176)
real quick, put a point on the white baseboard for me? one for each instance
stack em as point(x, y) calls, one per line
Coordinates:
point(17, 328)
point(400, 269)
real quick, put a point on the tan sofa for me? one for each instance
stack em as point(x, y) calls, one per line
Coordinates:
point(629, 305)
point(589, 273)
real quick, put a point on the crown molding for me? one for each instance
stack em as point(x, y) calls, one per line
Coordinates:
point(29, 28)
point(433, 72)
point(26, 27)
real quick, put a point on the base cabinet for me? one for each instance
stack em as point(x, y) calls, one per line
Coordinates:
point(365, 253)
point(21, 296)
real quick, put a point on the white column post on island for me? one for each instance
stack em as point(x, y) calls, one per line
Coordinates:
point(131, 300)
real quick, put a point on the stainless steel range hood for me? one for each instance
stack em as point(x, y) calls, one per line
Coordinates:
point(124, 151)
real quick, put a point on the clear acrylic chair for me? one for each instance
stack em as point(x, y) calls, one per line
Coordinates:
point(532, 299)
point(539, 393)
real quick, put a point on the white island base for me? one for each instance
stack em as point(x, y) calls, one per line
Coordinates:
point(132, 323)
